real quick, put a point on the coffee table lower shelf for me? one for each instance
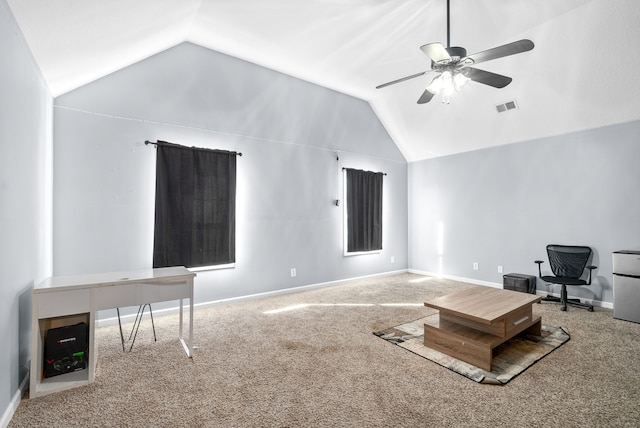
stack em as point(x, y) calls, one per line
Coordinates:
point(469, 344)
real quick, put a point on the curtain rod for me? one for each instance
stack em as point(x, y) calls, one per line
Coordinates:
point(147, 142)
point(383, 173)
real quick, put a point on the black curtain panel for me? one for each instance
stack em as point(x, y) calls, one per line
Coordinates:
point(195, 206)
point(364, 210)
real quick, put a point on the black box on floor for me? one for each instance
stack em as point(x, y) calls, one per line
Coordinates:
point(519, 282)
point(65, 349)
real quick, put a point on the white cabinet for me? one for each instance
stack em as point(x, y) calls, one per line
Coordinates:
point(43, 386)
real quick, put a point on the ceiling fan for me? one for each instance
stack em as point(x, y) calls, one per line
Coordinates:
point(455, 67)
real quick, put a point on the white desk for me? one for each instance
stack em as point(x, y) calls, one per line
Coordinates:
point(67, 300)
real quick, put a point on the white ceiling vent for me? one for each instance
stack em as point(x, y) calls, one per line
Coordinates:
point(509, 105)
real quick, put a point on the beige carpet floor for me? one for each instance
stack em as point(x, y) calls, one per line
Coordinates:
point(310, 359)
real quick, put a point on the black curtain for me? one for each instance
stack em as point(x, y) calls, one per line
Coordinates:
point(195, 206)
point(364, 210)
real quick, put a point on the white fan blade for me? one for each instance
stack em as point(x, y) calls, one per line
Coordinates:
point(436, 52)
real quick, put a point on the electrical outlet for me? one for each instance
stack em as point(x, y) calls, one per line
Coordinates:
point(475, 265)
point(293, 272)
point(393, 259)
point(499, 269)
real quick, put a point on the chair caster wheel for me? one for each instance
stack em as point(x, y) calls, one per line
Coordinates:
point(590, 309)
point(564, 309)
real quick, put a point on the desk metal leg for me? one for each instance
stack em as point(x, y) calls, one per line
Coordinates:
point(188, 347)
point(180, 331)
point(191, 326)
point(120, 324)
point(136, 325)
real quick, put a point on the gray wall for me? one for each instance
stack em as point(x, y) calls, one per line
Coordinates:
point(502, 206)
point(25, 120)
point(288, 131)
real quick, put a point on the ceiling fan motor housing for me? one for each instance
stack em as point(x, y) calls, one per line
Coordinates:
point(457, 52)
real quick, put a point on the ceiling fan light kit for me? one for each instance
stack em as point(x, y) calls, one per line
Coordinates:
point(455, 69)
point(447, 83)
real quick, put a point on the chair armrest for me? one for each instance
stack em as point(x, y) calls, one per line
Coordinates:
point(591, 268)
point(539, 262)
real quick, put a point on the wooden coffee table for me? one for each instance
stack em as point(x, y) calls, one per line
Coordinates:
point(474, 321)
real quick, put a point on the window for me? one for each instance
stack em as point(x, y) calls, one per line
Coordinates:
point(195, 206)
point(363, 211)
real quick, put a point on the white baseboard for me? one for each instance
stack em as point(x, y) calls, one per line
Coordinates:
point(457, 278)
point(175, 310)
point(15, 402)
point(598, 303)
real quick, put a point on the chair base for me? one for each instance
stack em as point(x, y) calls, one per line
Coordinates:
point(566, 301)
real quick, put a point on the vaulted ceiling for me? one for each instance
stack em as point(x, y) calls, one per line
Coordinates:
point(581, 74)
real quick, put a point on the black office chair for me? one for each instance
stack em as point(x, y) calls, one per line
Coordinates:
point(568, 263)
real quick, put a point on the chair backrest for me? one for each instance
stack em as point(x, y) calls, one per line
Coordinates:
point(568, 260)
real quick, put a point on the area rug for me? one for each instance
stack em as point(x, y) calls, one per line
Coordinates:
point(509, 359)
